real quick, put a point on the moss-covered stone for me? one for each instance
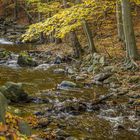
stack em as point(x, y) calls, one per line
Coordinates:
point(14, 92)
point(24, 60)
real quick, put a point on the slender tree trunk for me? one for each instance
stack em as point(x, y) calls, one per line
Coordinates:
point(88, 33)
point(16, 10)
point(75, 44)
point(89, 37)
point(58, 40)
point(131, 48)
point(119, 22)
point(29, 16)
point(41, 37)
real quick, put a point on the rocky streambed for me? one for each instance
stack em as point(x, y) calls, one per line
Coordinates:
point(62, 98)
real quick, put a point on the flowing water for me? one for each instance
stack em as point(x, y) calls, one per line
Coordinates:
point(80, 124)
point(3, 41)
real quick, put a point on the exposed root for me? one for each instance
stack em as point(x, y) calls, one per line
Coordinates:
point(130, 64)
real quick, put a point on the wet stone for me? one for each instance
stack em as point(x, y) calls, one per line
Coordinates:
point(102, 76)
point(66, 84)
point(70, 71)
point(119, 127)
point(72, 108)
point(80, 78)
point(43, 123)
point(59, 71)
point(58, 60)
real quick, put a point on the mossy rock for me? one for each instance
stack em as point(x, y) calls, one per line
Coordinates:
point(14, 92)
point(24, 60)
point(4, 54)
point(67, 85)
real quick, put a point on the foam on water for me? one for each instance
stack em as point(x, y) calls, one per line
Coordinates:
point(3, 41)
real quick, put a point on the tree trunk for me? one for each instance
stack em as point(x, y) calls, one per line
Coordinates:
point(74, 39)
point(41, 37)
point(75, 44)
point(89, 37)
point(119, 22)
point(15, 10)
point(88, 33)
point(131, 49)
point(58, 40)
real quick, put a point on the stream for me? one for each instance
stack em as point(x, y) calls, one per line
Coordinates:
point(70, 113)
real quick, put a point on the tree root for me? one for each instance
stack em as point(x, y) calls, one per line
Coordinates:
point(130, 64)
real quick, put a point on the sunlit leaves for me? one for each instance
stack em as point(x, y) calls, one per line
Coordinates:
point(69, 19)
point(64, 21)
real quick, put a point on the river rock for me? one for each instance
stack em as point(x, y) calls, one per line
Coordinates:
point(134, 79)
point(43, 123)
point(119, 127)
point(73, 108)
point(70, 71)
point(58, 60)
point(102, 60)
point(102, 76)
point(59, 71)
point(67, 84)
point(14, 92)
point(4, 54)
point(3, 106)
point(61, 134)
point(96, 56)
point(24, 60)
point(43, 66)
point(112, 79)
point(90, 69)
point(80, 78)
point(110, 69)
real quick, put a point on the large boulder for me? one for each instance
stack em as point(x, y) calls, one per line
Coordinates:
point(3, 106)
point(14, 92)
point(24, 60)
